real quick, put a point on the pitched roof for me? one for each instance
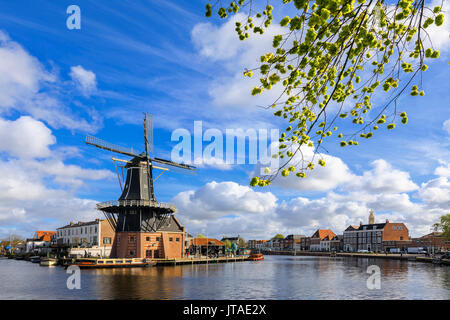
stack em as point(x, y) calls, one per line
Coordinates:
point(322, 233)
point(81, 224)
point(207, 241)
point(45, 235)
point(378, 226)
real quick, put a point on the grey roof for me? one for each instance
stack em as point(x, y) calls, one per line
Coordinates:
point(378, 226)
point(80, 224)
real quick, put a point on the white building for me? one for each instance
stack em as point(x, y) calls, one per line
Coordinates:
point(94, 237)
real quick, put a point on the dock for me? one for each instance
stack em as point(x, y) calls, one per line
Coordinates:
point(184, 261)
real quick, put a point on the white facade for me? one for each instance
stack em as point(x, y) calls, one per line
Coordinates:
point(78, 233)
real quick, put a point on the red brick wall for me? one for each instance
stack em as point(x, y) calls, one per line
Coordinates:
point(166, 248)
point(389, 234)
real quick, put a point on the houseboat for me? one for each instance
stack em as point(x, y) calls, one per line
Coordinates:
point(87, 263)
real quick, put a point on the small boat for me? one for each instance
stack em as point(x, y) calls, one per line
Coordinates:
point(20, 257)
point(48, 262)
point(256, 257)
point(92, 263)
point(35, 259)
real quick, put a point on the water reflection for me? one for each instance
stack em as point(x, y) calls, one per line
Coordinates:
point(277, 277)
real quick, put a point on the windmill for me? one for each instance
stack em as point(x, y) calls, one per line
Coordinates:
point(137, 209)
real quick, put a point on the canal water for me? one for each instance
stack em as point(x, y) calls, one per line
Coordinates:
point(277, 277)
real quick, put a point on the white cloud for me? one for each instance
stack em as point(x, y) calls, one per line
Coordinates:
point(25, 137)
point(446, 126)
point(231, 89)
point(84, 79)
point(439, 36)
point(27, 87)
point(384, 179)
point(218, 199)
point(436, 192)
point(334, 174)
point(443, 170)
point(37, 189)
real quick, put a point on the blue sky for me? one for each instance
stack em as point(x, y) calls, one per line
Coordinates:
point(166, 58)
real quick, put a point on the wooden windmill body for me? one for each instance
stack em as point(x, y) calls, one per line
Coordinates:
point(144, 227)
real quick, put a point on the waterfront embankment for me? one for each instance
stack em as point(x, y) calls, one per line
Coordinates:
point(390, 256)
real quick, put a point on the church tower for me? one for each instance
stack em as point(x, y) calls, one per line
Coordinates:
point(371, 217)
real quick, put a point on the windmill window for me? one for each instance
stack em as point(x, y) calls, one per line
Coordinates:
point(147, 239)
point(178, 239)
point(106, 240)
point(132, 239)
point(131, 253)
point(157, 238)
point(170, 239)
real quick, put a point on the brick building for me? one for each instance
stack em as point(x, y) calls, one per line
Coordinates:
point(167, 243)
point(432, 242)
point(376, 237)
point(293, 242)
point(320, 240)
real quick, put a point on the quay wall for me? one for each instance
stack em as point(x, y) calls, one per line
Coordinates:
point(392, 256)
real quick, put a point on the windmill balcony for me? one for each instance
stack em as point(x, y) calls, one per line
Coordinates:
point(135, 203)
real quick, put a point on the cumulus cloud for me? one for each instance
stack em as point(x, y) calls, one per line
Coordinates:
point(218, 199)
point(25, 137)
point(436, 192)
point(37, 188)
point(27, 87)
point(383, 178)
point(85, 79)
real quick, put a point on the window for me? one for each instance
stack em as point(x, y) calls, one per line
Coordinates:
point(95, 229)
point(106, 240)
point(170, 239)
point(131, 252)
point(132, 239)
point(148, 254)
point(81, 231)
point(157, 238)
point(147, 239)
point(95, 240)
point(177, 239)
point(393, 228)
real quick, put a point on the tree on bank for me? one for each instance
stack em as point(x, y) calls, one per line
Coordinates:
point(200, 236)
point(278, 236)
point(329, 63)
point(444, 226)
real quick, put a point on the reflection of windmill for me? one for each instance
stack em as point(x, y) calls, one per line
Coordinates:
point(137, 209)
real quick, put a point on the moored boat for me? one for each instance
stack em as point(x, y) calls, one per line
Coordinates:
point(256, 257)
point(90, 263)
point(35, 259)
point(48, 262)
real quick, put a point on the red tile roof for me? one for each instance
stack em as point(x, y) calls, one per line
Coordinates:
point(207, 241)
point(323, 233)
point(45, 235)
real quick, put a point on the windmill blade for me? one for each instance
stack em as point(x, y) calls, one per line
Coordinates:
point(109, 146)
point(150, 133)
point(173, 164)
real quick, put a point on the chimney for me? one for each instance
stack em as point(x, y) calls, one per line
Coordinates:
point(71, 223)
point(360, 223)
point(97, 220)
point(387, 221)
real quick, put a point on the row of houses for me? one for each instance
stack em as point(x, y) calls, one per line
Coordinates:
point(96, 238)
point(373, 237)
